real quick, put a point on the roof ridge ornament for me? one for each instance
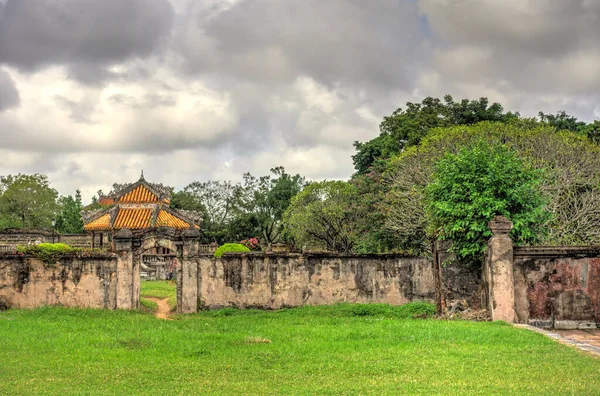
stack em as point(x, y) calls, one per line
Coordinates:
point(142, 176)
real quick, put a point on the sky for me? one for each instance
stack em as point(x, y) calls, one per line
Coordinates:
point(94, 91)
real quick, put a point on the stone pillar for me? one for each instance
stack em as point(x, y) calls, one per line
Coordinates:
point(187, 276)
point(498, 271)
point(125, 282)
point(136, 267)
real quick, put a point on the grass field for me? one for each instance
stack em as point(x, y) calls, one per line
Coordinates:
point(333, 350)
point(158, 289)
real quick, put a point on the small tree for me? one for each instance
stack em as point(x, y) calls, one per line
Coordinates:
point(471, 187)
point(325, 215)
point(69, 219)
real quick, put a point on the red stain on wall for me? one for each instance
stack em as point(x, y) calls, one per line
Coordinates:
point(565, 288)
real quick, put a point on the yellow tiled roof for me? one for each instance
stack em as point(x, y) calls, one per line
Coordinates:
point(166, 219)
point(133, 218)
point(101, 223)
point(139, 194)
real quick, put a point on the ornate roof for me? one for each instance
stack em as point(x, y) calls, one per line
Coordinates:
point(138, 206)
point(100, 223)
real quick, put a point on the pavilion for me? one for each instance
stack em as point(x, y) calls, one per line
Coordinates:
point(139, 206)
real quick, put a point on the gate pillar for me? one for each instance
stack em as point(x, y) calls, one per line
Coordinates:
point(498, 271)
point(187, 274)
point(125, 274)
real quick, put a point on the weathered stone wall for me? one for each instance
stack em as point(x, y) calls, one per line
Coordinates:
point(76, 240)
point(275, 280)
point(546, 286)
point(557, 287)
point(13, 237)
point(27, 282)
point(461, 286)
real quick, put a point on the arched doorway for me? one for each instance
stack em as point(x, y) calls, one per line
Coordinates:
point(158, 264)
point(155, 263)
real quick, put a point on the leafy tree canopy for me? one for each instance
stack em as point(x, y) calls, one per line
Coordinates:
point(27, 201)
point(571, 182)
point(406, 127)
point(324, 216)
point(470, 188)
point(236, 211)
point(266, 198)
point(69, 219)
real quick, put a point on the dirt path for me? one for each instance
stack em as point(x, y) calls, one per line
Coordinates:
point(163, 310)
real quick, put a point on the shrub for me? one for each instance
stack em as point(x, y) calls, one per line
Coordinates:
point(49, 253)
point(230, 247)
point(251, 243)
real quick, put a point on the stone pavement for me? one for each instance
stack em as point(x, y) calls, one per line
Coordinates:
point(586, 340)
point(591, 337)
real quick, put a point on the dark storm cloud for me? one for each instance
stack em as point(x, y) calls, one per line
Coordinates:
point(349, 41)
point(9, 96)
point(86, 35)
point(259, 50)
point(544, 28)
point(547, 47)
point(221, 87)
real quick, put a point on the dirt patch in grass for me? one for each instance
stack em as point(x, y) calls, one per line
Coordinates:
point(163, 309)
point(257, 340)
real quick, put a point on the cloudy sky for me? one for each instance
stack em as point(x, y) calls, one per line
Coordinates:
point(93, 91)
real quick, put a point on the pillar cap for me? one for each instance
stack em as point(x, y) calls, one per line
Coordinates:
point(500, 225)
point(124, 233)
point(190, 233)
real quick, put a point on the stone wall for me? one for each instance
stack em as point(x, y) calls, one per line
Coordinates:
point(275, 280)
point(460, 286)
point(27, 282)
point(76, 240)
point(546, 286)
point(12, 237)
point(557, 287)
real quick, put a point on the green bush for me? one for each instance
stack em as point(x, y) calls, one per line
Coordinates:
point(49, 253)
point(230, 247)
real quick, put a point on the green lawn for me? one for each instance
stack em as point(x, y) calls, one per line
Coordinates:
point(330, 350)
point(158, 289)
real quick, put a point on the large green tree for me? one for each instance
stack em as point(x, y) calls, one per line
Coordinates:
point(407, 127)
point(217, 200)
point(324, 216)
point(571, 165)
point(27, 201)
point(266, 198)
point(236, 211)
